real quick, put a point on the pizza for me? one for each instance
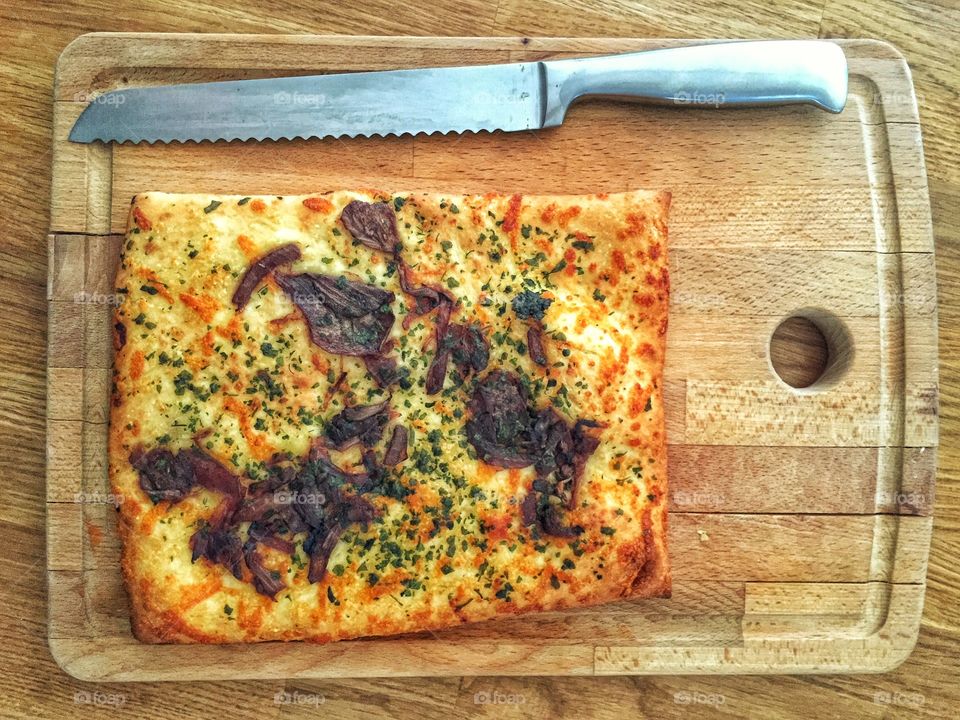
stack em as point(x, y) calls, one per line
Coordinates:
point(363, 413)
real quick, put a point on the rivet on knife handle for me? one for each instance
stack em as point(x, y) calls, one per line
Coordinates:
point(773, 72)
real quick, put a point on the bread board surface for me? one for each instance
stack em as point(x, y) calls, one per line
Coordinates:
point(800, 519)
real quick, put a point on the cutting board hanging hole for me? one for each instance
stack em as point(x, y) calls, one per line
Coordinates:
point(810, 350)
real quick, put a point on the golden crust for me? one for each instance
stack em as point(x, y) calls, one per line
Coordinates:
point(602, 261)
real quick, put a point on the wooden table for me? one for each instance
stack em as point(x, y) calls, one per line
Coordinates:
point(31, 685)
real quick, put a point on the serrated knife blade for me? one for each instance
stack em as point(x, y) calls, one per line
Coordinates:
point(508, 97)
point(504, 97)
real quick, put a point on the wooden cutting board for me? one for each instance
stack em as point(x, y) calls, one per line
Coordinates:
point(800, 519)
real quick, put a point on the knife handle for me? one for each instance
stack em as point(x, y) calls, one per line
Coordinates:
point(749, 73)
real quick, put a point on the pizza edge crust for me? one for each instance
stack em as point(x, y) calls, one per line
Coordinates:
point(152, 623)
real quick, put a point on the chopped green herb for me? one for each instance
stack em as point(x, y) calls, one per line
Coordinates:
point(530, 305)
point(557, 268)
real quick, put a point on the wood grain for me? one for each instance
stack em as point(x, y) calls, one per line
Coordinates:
point(873, 395)
point(32, 686)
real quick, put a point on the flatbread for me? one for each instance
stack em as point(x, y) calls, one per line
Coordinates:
point(533, 479)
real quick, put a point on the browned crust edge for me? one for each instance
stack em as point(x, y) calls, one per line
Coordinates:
point(152, 624)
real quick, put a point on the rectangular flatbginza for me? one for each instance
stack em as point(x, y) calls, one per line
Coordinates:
point(361, 413)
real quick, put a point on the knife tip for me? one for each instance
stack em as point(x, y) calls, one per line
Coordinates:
point(81, 130)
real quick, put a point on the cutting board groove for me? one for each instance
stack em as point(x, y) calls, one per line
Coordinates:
point(800, 519)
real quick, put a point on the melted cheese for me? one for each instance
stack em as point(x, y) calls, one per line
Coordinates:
point(455, 549)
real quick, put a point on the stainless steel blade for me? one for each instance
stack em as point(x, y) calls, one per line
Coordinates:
point(519, 96)
point(493, 97)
